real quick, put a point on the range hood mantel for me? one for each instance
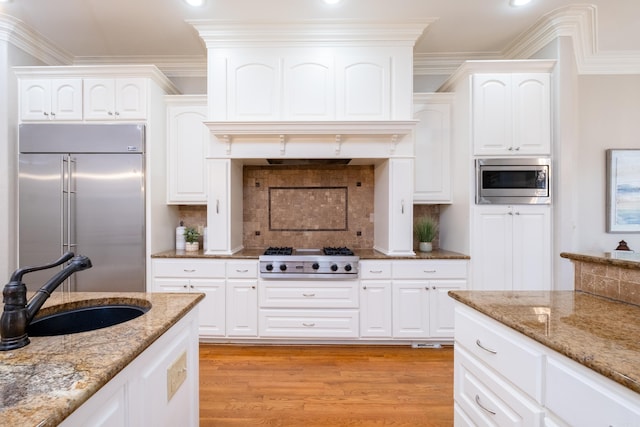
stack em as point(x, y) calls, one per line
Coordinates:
point(334, 131)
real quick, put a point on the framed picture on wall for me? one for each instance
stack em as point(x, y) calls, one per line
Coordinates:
point(623, 191)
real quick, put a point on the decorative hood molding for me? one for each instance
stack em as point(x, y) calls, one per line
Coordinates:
point(222, 33)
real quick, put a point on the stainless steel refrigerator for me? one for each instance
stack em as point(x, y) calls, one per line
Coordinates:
point(81, 189)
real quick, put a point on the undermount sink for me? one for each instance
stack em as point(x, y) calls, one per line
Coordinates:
point(84, 319)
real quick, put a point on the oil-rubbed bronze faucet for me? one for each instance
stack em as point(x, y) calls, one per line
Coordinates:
point(18, 313)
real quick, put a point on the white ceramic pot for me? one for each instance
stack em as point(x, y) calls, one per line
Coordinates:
point(426, 246)
point(192, 247)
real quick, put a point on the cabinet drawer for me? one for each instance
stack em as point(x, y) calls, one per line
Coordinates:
point(486, 397)
point(429, 269)
point(501, 349)
point(309, 323)
point(242, 269)
point(375, 270)
point(581, 397)
point(329, 294)
point(188, 268)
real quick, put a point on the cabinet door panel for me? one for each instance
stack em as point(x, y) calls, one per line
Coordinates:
point(98, 99)
point(309, 89)
point(531, 113)
point(410, 309)
point(375, 309)
point(242, 308)
point(441, 307)
point(492, 248)
point(212, 308)
point(531, 250)
point(363, 88)
point(491, 109)
point(66, 99)
point(35, 99)
point(254, 88)
point(131, 98)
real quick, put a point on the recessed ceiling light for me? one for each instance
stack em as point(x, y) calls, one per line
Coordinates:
point(332, 1)
point(516, 3)
point(194, 3)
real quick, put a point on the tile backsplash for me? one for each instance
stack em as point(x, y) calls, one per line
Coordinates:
point(307, 207)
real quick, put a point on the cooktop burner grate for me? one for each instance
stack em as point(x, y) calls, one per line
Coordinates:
point(278, 251)
point(343, 251)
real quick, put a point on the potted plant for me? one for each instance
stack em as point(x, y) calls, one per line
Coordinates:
point(425, 230)
point(191, 237)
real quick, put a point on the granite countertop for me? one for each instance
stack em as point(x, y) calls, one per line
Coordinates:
point(44, 382)
point(625, 259)
point(599, 333)
point(364, 254)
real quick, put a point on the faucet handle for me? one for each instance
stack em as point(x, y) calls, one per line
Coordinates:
point(17, 275)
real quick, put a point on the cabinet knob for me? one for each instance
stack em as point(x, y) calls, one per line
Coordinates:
point(110, 113)
point(253, 287)
point(53, 114)
point(117, 114)
point(364, 287)
point(517, 148)
point(45, 113)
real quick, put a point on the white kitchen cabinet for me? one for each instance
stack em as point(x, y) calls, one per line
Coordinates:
point(139, 394)
point(511, 114)
point(115, 99)
point(579, 397)
point(525, 383)
point(225, 197)
point(421, 306)
point(242, 299)
point(193, 275)
point(393, 206)
point(50, 99)
point(187, 147)
point(432, 165)
point(325, 309)
point(375, 299)
point(291, 84)
point(511, 247)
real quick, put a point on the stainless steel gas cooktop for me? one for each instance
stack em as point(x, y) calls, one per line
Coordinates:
point(325, 263)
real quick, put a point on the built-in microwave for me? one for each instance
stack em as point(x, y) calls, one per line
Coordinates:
point(513, 181)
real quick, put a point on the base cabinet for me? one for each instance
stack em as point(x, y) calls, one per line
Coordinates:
point(502, 377)
point(140, 394)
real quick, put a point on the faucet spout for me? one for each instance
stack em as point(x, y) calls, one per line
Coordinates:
point(18, 313)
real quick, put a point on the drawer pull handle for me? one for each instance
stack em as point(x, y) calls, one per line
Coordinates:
point(483, 407)
point(309, 325)
point(189, 271)
point(241, 271)
point(429, 271)
point(375, 271)
point(308, 295)
point(479, 344)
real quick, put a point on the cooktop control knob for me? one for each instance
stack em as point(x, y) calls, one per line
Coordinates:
point(347, 267)
point(315, 266)
point(269, 267)
point(334, 267)
point(283, 267)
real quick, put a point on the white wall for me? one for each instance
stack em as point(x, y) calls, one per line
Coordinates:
point(609, 118)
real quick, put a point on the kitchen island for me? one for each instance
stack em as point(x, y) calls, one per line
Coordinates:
point(575, 358)
point(45, 382)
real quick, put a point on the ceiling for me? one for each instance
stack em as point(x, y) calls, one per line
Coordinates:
point(157, 31)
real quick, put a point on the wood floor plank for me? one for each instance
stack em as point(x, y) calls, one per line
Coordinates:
point(291, 386)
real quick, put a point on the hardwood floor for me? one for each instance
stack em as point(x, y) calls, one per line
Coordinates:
point(325, 386)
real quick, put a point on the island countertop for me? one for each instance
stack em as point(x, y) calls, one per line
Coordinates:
point(45, 381)
point(600, 333)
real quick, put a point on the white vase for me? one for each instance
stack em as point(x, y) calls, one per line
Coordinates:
point(426, 246)
point(192, 247)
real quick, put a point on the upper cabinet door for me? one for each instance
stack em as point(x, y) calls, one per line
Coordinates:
point(50, 99)
point(432, 182)
point(363, 88)
point(131, 98)
point(115, 99)
point(511, 114)
point(309, 89)
point(532, 113)
point(254, 88)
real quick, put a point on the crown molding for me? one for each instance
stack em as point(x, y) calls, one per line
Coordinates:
point(223, 33)
point(17, 33)
point(447, 63)
point(171, 66)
